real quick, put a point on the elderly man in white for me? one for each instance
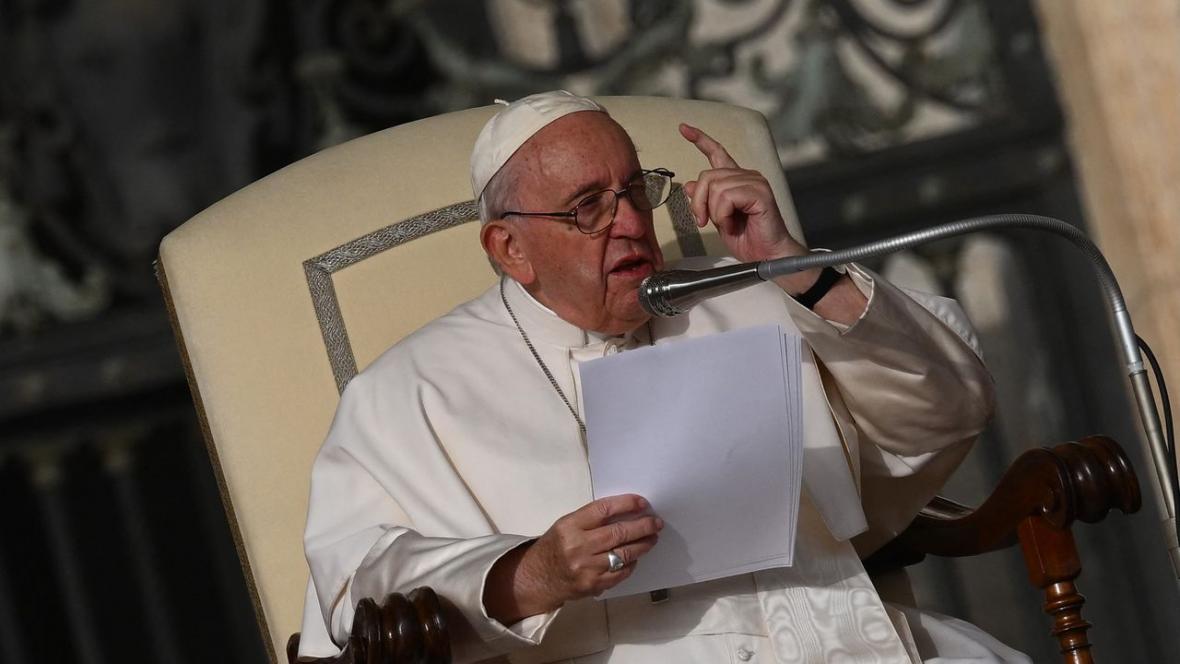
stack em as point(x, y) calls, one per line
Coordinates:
point(457, 460)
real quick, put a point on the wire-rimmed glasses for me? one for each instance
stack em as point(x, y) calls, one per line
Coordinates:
point(647, 191)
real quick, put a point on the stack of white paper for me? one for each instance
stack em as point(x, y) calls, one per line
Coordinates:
point(710, 431)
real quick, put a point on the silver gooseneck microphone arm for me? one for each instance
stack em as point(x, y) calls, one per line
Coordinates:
point(673, 293)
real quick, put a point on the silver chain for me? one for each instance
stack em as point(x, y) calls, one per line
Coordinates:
point(540, 362)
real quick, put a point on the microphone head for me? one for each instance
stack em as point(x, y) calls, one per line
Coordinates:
point(654, 295)
point(671, 293)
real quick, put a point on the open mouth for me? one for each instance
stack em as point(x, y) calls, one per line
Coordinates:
point(634, 266)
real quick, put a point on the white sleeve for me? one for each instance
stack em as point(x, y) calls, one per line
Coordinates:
point(909, 370)
point(360, 542)
point(910, 375)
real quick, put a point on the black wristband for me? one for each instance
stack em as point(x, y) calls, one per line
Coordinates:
point(827, 278)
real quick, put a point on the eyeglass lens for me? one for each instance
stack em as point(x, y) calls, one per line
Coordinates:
point(647, 192)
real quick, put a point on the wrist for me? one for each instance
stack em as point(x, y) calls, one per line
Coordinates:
point(780, 249)
point(821, 285)
point(523, 588)
point(507, 596)
point(797, 283)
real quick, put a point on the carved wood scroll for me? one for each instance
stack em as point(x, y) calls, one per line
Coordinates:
point(401, 630)
point(1035, 503)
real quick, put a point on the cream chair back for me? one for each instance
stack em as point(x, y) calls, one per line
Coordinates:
point(282, 291)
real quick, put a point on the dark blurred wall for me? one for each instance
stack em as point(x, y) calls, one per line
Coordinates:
point(119, 119)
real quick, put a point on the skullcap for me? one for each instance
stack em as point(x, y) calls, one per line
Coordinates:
point(516, 123)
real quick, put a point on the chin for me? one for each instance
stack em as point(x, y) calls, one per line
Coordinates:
point(626, 314)
point(635, 316)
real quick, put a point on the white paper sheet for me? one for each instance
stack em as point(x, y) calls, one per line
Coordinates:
point(709, 430)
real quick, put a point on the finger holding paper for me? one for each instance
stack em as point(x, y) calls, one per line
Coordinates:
point(617, 524)
point(570, 560)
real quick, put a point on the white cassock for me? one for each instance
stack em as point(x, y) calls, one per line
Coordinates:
point(452, 448)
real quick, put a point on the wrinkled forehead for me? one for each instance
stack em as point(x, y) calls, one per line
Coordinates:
point(579, 147)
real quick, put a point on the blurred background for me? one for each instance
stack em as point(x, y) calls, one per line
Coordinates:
point(119, 119)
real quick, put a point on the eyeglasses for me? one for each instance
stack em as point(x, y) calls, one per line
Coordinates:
point(647, 191)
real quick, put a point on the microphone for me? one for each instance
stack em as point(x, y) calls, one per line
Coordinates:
point(674, 292)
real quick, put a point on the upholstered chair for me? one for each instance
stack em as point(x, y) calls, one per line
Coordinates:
point(284, 290)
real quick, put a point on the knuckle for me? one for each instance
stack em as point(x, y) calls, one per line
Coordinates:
point(561, 527)
point(585, 585)
point(568, 550)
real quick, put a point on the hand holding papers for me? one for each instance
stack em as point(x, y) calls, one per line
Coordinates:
point(709, 430)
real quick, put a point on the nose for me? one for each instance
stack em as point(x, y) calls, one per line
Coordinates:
point(630, 221)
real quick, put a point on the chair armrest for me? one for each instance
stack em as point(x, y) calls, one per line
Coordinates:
point(1079, 480)
point(401, 630)
point(1035, 503)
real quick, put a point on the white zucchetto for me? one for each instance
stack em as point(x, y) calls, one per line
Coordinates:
point(516, 123)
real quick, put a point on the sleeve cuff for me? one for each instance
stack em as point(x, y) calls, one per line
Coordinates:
point(528, 631)
point(456, 569)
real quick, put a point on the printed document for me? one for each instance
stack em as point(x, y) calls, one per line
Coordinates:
point(710, 431)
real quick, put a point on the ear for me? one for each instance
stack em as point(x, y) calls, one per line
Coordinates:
point(500, 239)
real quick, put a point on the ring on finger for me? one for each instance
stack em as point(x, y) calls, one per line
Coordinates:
point(614, 562)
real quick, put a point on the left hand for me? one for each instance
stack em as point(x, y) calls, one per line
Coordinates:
point(739, 202)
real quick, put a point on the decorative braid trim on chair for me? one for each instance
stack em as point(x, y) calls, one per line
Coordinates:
point(319, 270)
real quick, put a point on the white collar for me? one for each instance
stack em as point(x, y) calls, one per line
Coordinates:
point(543, 324)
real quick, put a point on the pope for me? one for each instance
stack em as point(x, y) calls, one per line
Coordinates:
point(457, 459)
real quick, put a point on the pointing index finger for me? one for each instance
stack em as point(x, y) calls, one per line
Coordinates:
point(715, 152)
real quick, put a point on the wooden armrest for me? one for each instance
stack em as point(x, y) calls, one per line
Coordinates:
point(401, 630)
point(1079, 480)
point(1035, 503)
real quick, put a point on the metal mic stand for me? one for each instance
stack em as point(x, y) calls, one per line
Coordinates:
point(671, 293)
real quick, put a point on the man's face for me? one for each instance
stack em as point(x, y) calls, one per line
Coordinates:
point(590, 281)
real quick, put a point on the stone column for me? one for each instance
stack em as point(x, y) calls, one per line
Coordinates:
point(1118, 76)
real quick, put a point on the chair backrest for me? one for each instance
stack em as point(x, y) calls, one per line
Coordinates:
point(281, 291)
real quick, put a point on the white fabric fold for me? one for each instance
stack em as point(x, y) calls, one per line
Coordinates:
point(453, 447)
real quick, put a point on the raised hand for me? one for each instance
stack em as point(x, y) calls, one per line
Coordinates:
point(570, 561)
point(739, 202)
point(741, 205)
